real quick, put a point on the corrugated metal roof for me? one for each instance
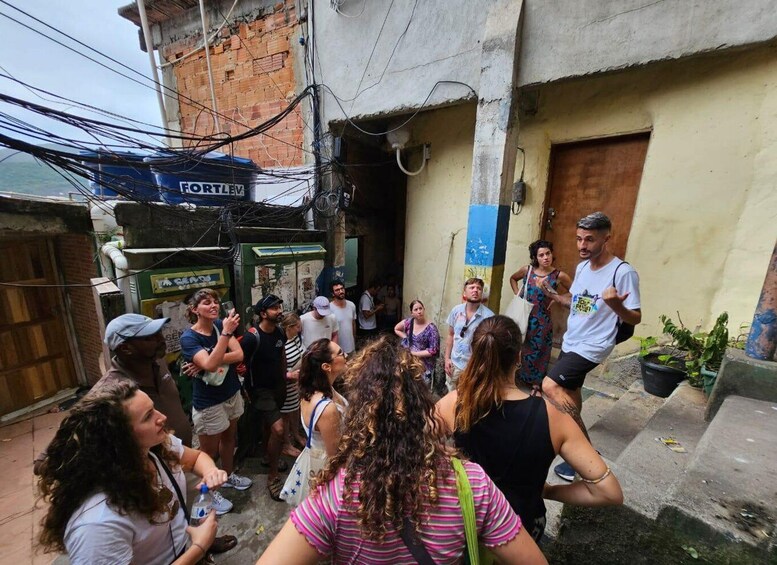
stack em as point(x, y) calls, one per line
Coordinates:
point(157, 10)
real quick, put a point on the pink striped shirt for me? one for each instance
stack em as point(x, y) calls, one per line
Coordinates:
point(333, 530)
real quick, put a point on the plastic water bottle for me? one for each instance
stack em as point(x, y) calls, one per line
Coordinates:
point(201, 507)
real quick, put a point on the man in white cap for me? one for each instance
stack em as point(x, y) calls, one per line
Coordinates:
point(138, 348)
point(319, 322)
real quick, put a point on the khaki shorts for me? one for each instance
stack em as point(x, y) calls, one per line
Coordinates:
point(213, 420)
point(453, 379)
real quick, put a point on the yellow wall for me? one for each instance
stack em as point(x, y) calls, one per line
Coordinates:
point(706, 216)
point(705, 221)
point(437, 206)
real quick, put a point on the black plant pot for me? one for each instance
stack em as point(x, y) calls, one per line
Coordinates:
point(658, 378)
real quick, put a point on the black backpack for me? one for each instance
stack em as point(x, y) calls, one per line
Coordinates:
point(624, 330)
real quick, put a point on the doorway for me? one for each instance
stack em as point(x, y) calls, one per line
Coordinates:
point(587, 176)
point(35, 357)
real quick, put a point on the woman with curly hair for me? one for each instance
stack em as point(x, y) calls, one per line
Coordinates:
point(114, 481)
point(322, 363)
point(392, 479)
point(515, 434)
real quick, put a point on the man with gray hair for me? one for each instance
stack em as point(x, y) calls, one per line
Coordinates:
point(604, 295)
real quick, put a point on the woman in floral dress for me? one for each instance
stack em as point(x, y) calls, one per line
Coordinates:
point(538, 341)
point(421, 337)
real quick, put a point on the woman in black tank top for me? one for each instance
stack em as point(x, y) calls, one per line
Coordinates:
point(515, 435)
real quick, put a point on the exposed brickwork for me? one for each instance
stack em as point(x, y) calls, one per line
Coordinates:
point(76, 261)
point(254, 80)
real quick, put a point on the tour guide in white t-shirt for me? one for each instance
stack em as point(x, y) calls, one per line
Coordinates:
point(595, 306)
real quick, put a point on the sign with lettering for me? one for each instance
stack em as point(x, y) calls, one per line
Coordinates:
point(212, 188)
point(186, 280)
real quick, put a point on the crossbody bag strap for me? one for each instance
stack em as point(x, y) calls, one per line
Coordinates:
point(467, 504)
point(410, 333)
point(413, 544)
point(170, 476)
point(313, 420)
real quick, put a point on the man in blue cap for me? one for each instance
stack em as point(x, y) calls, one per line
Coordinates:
point(138, 347)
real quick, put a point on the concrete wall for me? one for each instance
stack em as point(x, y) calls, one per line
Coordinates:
point(706, 215)
point(437, 208)
point(390, 60)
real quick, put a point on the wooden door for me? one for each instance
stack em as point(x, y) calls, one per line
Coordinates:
point(585, 177)
point(35, 357)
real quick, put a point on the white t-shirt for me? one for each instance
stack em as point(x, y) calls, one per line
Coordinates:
point(591, 327)
point(345, 317)
point(97, 534)
point(313, 329)
point(366, 302)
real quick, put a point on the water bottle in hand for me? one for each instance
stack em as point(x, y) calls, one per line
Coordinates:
point(201, 507)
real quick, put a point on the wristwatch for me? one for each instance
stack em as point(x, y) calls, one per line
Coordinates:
point(227, 334)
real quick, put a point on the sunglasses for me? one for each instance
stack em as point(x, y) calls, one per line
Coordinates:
point(464, 330)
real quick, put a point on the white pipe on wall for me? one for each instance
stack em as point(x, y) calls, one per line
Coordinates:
point(112, 250)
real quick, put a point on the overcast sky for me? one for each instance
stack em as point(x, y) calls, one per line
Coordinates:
point(40, 62)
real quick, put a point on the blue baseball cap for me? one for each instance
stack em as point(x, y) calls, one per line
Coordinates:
point(128, 326)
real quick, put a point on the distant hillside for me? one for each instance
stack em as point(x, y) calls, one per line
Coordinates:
point(22, 173)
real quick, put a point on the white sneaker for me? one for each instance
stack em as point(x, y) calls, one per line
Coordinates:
point(220, 504)
point(237, 482)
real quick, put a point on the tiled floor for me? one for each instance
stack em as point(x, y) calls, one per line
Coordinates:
point(19, 517)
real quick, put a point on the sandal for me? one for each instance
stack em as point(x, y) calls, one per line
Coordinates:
point(223, 544)
point(283, 466)
point(274, 487)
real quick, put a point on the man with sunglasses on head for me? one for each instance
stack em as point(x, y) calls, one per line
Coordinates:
point(462, 321)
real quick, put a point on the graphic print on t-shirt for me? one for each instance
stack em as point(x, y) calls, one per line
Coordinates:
point(584, 304)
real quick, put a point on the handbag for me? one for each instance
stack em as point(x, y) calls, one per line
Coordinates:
point(309, 462)
point(215, 378)
point(519, 308)
point(476, 554)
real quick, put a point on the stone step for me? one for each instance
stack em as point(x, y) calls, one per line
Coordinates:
point(729, 485)
point(647, 468)
point(611, 433)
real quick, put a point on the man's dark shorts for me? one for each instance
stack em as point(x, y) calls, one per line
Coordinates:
point(264, 401)
point(570, 370)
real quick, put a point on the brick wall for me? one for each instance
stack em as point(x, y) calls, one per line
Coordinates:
point(253, 74)
point(76, 261)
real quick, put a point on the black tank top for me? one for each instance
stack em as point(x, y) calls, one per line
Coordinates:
point(512, 444)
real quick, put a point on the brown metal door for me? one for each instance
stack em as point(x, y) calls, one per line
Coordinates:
point(35, 357)
point(585, 177)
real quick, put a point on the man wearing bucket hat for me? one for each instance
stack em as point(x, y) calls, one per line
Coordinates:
point(138, 348)
point(319, 323)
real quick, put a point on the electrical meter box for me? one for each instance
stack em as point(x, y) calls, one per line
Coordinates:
point(288, 271)
point(161, 293)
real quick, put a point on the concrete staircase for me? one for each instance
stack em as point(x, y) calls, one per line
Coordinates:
point(715, 503)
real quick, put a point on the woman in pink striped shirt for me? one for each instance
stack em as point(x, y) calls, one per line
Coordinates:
point(392, 468)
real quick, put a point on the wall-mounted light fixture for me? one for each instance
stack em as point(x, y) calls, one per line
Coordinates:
point(398, 138)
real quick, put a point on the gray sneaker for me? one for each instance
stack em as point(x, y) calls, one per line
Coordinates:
point(237, 482)
point(220, 504)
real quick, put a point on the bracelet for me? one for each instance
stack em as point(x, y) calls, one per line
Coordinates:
point(599, 480)
point(194, 543)
point(227, 335)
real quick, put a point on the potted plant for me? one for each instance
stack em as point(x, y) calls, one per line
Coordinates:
point(697, 355)
point(661, 371)
point(703, 350)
